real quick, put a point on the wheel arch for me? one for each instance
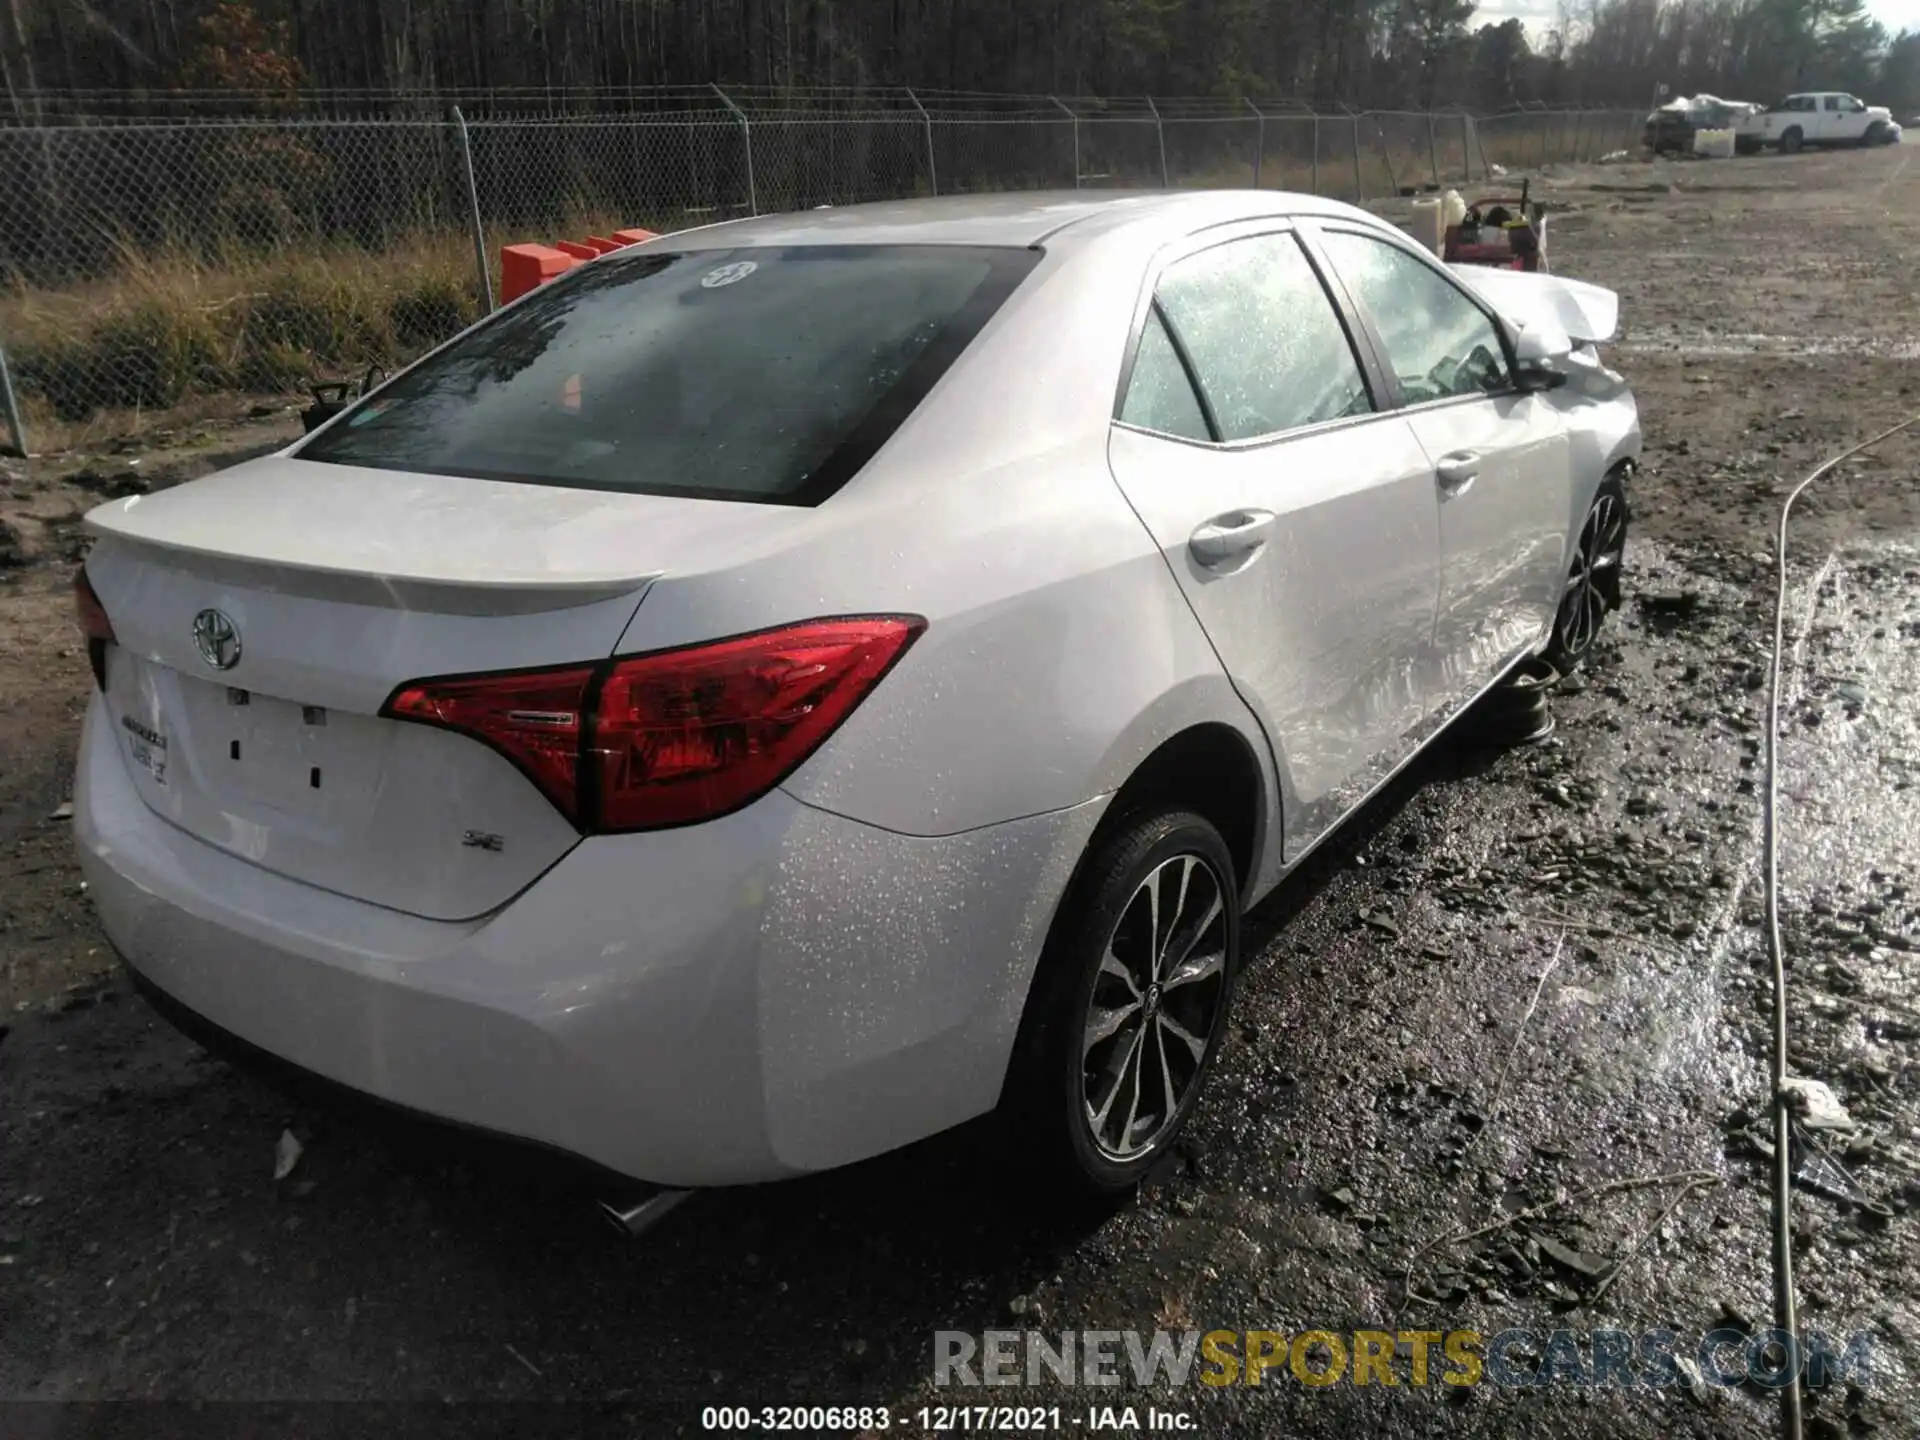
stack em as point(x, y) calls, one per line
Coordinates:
point(1212, 769)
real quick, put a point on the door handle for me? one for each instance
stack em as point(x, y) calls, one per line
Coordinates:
point(1456, 472)
point(1227, 537)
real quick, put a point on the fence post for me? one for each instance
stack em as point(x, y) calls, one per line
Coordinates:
point(1386, 156)
point(1359, 188)
point(1161, 131)
point(746, 137)
point(933, 177)
point(1259, 142)
point(1316, 152)
point(1466, 147)
point(1433, 150)
point(1543, 145)
point(473, 210)
point(1076, 138)
point(11, 404)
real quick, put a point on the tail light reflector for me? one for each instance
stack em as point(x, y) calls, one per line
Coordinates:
point(677, 736)
point(94, 624)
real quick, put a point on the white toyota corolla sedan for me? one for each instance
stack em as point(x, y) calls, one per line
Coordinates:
point(785, 689)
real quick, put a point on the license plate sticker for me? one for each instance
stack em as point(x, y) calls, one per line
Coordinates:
point(148, 747)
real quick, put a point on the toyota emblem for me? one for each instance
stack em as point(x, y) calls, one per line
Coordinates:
point(217, 639)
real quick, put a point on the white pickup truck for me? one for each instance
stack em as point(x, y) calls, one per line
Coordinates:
point(1816, 117)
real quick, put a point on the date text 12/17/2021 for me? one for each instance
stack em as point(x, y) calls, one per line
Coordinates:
point(931, 1420)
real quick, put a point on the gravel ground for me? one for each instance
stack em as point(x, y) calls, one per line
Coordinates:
point(1518, 978)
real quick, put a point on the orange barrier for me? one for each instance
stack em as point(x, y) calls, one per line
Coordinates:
point(528, 267)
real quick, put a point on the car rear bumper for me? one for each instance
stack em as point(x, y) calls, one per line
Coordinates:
point(776, 992)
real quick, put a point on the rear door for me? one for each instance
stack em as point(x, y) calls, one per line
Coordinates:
point(1848, 120)
point(1835, 119)
point(1502, 461)
point(1300, 523)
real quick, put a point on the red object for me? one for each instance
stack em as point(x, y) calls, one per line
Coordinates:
point(677, 736)
point(635, 237)
point(576, 249)
point(604, 245)
point(534, 720)
point(94, 624)
point(1514, 247)
point(528, 267)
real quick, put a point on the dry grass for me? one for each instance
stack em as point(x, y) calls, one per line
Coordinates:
point(164, 329)
point(163, 335)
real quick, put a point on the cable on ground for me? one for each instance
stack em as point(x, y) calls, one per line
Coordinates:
point(1785, 1309)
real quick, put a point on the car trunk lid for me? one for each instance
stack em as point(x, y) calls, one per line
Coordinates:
point(265, 615)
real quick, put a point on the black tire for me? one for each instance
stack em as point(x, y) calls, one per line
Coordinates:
point(1791, 142)
point(1056, 1069)
point(1877, 134)
point(1592, 588)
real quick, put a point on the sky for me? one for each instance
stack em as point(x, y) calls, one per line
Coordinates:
point(1896, 15)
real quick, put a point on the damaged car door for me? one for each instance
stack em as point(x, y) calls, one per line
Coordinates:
point(1502, 461)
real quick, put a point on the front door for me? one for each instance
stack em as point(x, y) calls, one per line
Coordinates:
point(1502, 461)
point(1300, 523)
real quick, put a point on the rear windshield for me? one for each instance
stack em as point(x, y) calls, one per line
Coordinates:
point(747, 374)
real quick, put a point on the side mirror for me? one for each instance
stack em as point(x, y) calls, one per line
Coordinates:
point(1537, 347)
point(1541, 342)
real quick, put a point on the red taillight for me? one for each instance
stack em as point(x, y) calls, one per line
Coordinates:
point(94, 624)
point(536, 720)
point(676, 736)
point(686, 735)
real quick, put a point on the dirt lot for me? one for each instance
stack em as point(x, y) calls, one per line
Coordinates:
point(1518, 978)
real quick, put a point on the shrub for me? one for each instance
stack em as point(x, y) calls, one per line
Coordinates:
point(274, 369)
point(333, 317)
point(152, 356)
point(59, 369)
point(433, 307)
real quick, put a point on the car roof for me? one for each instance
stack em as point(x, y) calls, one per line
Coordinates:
point(1021, 219)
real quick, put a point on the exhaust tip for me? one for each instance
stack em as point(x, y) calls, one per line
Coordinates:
point(634, 1217)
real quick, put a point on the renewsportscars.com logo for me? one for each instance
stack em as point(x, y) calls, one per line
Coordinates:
point(1516, 1358)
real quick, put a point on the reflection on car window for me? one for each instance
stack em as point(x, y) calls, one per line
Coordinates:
point(1265, 341)
point(1159, 396)
point(756, 374)
point(1439, 343)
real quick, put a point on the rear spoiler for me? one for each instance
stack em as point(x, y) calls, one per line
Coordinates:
point(1588, 313)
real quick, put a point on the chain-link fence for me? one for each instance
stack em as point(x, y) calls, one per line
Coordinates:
point(154, 269)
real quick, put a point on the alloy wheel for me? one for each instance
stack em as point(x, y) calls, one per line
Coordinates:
point(1594, 576)
point(1155, 1005)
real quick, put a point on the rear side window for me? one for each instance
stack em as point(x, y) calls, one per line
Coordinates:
point(1267, 345)
point(1159, 395)
point(748, 374)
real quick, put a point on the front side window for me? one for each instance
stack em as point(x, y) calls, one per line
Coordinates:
point(1834, 102)
point(768, 374)
point(1438, 342)
point(1267, 346)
